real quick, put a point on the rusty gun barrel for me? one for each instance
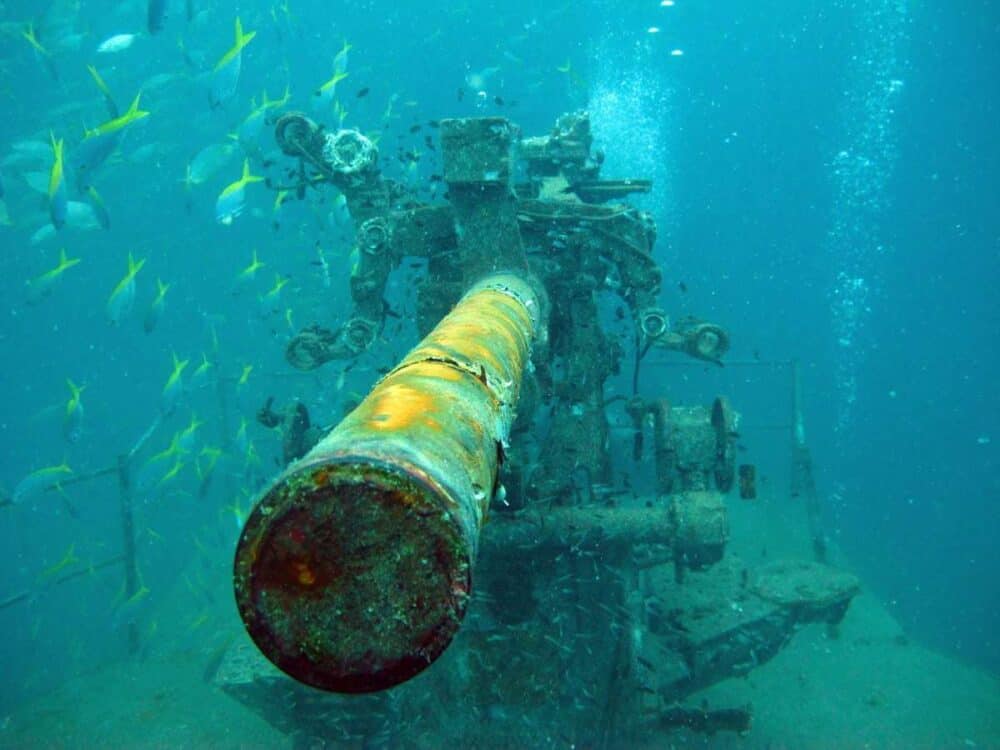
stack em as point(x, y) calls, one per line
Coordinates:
point(353, 571)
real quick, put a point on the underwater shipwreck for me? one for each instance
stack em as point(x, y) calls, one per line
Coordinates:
point(466, 547)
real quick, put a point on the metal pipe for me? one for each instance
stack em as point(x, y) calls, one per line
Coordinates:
point(353, 571)
point(662, 450)
point(87, 570)
point(128, 546)
point(798, 422)
point(802, 482)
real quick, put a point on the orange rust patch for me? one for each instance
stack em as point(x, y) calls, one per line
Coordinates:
point(304, 575)
point(444, 373)
point(477, 428)
point(321, 477)
point(396, 406)
point(432, 369)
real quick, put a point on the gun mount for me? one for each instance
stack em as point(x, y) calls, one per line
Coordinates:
point(355, 569)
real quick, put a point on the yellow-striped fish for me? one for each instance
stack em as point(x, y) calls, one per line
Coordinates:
point(156, 307)
point(174, 386)
point(226, 74)
point(231, 200)
point(40, 480)
point(57, 185)
point(117, 124)
point(73, 418)
point(41, 286)
point(123, 296)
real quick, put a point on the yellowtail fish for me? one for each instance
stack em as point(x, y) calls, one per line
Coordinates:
point(388, 116)
point(272, 298)
point(569, 71)
point(127, 610)
point(41, 53)
point(41, 286)
point(117, 124)
point(153, 466)
point(281, 11)
point(250, 128)
point(189, 435)
point(205, 477)
point(340, 60)
point(252, 456)
point(354, 260)
point(230, 202)
point(123, 296)
point(100, 142)
point(69, 558)
point(239, 514)
point(92, 152)
point(40, 480)
point(109, 100)
point(57, 185)
point(44, 233)
point(172, 473)
point(89, 156)
point(242, 440)
point(208, 161)
point(171, 451)
point(280, 198)
point(81, 215)
point(205, 468)
point(341, 214)
point(156, 307)
point(198, 622)
point(27, 150)
point(325, 94)
point(226, 73)
point(73, 417)
point(155, 535)
point(340, 113)
point(249, 273)
point(39, 180)
point(200, 374)
point(174, 386)
point(208, 457)
point(97, 205)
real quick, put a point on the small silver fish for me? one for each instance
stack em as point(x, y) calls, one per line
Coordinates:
point(116, 43)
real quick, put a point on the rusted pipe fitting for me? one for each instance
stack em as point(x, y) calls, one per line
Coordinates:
point(654, 322)
point(349, 152)
point(297, 135)
point(359, 334)
point(374, 235)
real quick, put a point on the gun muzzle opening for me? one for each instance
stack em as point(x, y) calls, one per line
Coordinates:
point(352, 577)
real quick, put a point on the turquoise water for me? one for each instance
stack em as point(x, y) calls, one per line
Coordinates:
point(824, 185)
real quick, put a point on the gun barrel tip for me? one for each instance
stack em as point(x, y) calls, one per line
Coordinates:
point(352, 580)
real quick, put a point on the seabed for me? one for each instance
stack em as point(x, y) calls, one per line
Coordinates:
point(864, 684)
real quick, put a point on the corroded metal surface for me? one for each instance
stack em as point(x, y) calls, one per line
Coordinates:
point(354, 572)
point(354, 569)
point(727, 620)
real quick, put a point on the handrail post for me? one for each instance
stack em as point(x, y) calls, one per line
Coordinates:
point(128, 547)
